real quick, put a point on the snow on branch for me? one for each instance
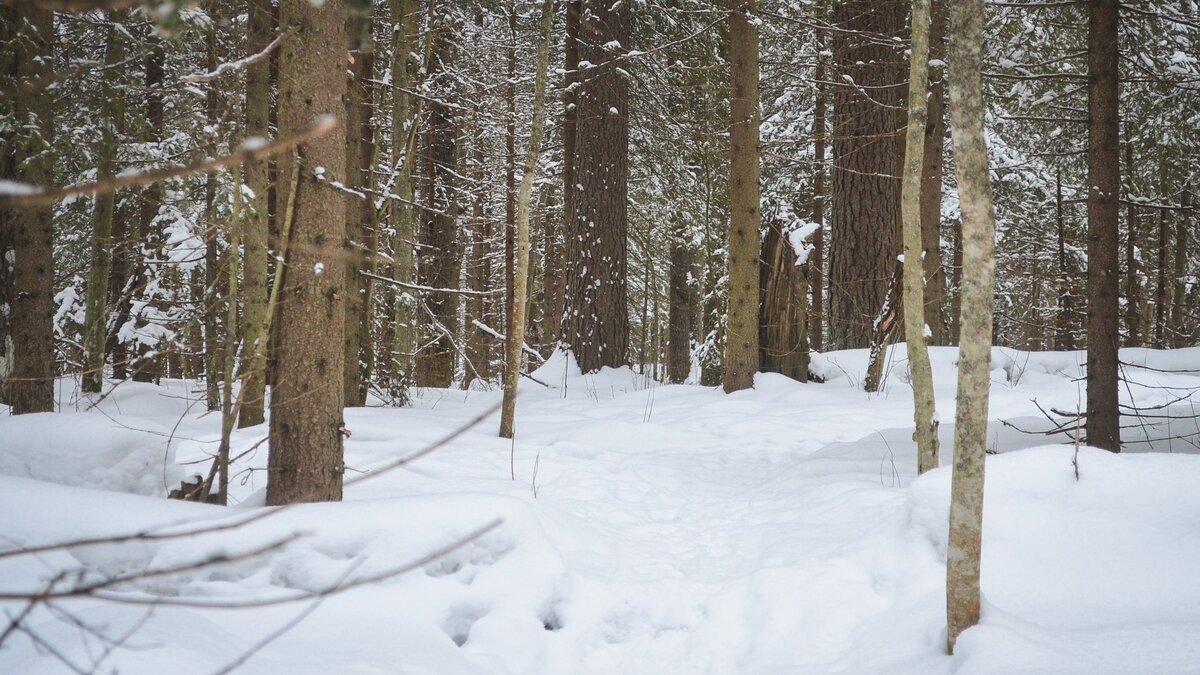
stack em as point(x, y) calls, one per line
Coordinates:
point(233, 66)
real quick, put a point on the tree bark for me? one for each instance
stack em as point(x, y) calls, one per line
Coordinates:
point(914, 191)
point(931, 179)
point(741, 342)
point(679, 313)
point(1133, 283)
point(305, 461)
point(866, 160)
point(516, 329)
point(1104, 187)
point(96, 303)
point(30, 384)
point(440, 264)
point(975, 341)
point(557, 251)
point(255, 319)
point(596, 317)
point(816, 259)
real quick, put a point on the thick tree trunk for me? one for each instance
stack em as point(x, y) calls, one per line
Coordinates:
point(975, 341)
point(96, 304)
point(1104, 187)
point(914, 191)
point(741, 341)
point(866, 160)
point(305, 460)
point(516, 329)
point(596, 317)
point(783, 307)
point(30, 384)
point(440, 263)
point(358, 112)
point(255, 224)
point(931, 179)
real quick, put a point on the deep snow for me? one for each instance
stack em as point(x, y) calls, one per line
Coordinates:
point(649, 529)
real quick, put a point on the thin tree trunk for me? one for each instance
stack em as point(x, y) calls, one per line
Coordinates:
point(1065, 338)
point(571, 83)
point(913, 191)
point(679, 314)
point(516, 330)
point(30, 384)
point(404, 134)
point(931, 180)
point(1161, 290)
point(96, 304)
point(975, 341)
point(741, 344)
point(255, 224)
point(357, 27)
point(1104, 187)
point(816, 259)
point(212, 305)
point(1178, 301)
point(1133, 284)
point(305, 461)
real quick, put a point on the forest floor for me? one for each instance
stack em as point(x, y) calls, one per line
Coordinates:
point(644, 528)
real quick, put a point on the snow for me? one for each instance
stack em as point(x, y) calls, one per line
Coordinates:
point(649, 529)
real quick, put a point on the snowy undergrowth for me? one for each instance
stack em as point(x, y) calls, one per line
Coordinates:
point(649, 529)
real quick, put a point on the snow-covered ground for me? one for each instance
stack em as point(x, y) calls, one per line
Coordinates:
point(643, 529)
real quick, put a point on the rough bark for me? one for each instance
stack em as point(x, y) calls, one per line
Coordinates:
point(596, 312)
point(440, 264)
point(741, 342)
point(975, 340)
point(516, 330)
point(30, 384)
point(783, 307)
point(358, 115)
point(1104, 187)
point(255, 223)
point(866, 159)
point(556, 256)
point(305, 461)
point(914, 192)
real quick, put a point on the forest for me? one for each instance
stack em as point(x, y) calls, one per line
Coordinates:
point(599, 336)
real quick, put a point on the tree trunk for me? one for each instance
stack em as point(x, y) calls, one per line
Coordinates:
point(1065, 338)
point(96, 304)
point(1104, 188)
point(30, 384)
point(679, 314)
point(816, 259)
point(516, 328)
point(213, 109)
point(358, 114)
point(1179, 328)
point(255, 223)
point(975, 341)
point(914, 191)
point(596, 318)
point(305, 460)
point(439, 265)
point(404, 135)
point(866, 159)
point(1133, 284)
point(931, 179)
point(557, 251)
point(783, 307)
point(149, 364)
point(741, 341)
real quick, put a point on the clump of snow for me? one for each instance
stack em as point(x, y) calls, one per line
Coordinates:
point(88, 451)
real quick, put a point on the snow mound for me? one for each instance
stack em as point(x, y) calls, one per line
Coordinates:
point(1088, 576)
point(89, 450)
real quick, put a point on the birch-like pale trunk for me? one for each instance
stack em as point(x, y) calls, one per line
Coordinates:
point(921, 375)
point(516, 327)
point(975, 338)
